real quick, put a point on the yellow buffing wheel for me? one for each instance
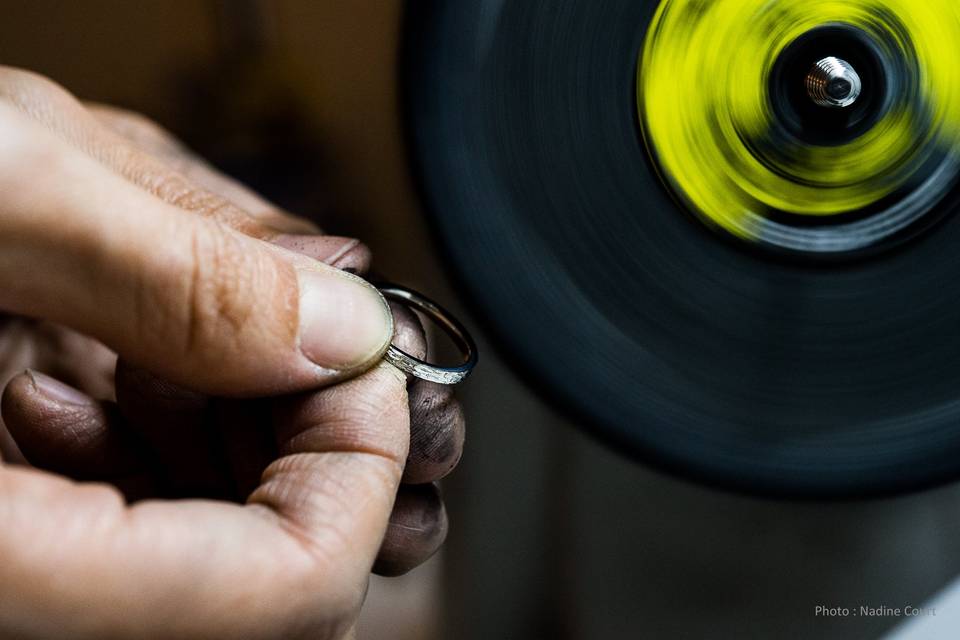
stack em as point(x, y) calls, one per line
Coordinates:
point(723, 234)
point(735, 108)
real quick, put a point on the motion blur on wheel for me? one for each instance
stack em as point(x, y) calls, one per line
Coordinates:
point(735, 216)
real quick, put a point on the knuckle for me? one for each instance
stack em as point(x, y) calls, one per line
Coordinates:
point(38, 97)
point(138, 126)
point(26, 152)
point(222, 281)
point(368, 414)
point(20, 85)
point(373, 400)
point(170, 186)
point(177, 189)
point(201, 300)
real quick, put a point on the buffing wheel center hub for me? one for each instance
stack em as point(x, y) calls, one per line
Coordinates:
point(828, 129)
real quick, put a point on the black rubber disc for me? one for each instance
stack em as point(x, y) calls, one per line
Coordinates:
point(740, 369)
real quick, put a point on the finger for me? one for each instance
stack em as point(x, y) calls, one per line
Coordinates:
point(177, 294)
point(314, 487)
point(77, 360)
point(437, 432)
point(149, 137)
point(56, 109)
point(169, 161)
point(417, 529)
point(59, 427)
point(437, 425)
point(63, 430)
point(147, 156)
point(408, 331)
point(368, 414)
point(178, 569)
point(343, 253)
point(68, 356)
point(298, 555)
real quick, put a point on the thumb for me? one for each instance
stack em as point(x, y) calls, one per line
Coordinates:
point(183, 296)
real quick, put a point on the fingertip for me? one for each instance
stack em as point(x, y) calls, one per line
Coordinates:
point(417, 529)
point(348, 254)
point(345, 323)
point(437, 432)
point(63, 430)
point(408, 332)
point(31, 395)
point(18, 388)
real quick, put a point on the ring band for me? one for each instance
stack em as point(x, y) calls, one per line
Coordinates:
point(453, 328)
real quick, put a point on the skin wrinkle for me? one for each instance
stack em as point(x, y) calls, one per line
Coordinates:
point(163, 352)
point(346, 410)
point(435, 441)
point(70, 429)
point(154, 315)
point(437, 438)
point(365, 409)
point(232, 284)
point(215, 305)
point(358, 444)
point(395, 454)
point(219, 294)
point(297, 573)
point(42, 100)
point(294, 492)
point(368, 472)
point(146, 133)
point(273, 500)
point(150, 138)
point(176, 189)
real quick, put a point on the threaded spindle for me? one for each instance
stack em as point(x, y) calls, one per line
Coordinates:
point(833, 83)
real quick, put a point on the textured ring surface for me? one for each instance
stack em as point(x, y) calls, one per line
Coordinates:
point(457, 332)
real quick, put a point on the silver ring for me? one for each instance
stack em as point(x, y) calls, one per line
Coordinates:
point(457, 332)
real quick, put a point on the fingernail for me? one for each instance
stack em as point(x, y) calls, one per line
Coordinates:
point(326, 249)
point(344, 321)
point(55, 390)
point(348, 254)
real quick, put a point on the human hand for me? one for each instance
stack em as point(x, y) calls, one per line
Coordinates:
point(292, 562)
point(294, 559)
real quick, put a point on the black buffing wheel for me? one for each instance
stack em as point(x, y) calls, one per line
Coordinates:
point(795, 367)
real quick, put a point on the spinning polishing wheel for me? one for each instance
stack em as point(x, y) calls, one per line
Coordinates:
point(719, 230)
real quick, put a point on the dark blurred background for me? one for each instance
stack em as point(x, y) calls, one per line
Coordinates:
point(552, 535)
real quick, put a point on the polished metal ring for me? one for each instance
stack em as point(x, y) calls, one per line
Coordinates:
point(457, 332)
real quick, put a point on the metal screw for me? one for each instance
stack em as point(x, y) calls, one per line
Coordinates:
point(833, 83)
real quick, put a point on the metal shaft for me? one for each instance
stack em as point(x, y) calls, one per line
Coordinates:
point(833, 83)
